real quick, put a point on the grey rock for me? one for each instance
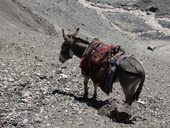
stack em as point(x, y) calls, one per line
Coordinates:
point(151, 47)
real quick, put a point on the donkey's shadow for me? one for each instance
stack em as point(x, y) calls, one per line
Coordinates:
point(100, 105)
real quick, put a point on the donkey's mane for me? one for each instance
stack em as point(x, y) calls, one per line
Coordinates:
point(81, 40)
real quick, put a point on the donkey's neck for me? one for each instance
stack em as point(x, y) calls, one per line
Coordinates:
point(79, 47)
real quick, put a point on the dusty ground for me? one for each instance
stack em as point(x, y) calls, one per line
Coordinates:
point(37, 91)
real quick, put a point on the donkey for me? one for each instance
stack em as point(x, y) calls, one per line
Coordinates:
point(129, 72)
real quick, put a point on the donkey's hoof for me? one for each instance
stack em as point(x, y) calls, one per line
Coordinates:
point(85, 96)
point(94, 96)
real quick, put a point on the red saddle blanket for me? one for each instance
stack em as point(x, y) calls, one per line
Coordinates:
point(96, 60)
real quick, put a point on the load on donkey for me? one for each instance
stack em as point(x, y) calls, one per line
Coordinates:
point(104, 65)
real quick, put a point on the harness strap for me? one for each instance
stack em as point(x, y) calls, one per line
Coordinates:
point(120, 58)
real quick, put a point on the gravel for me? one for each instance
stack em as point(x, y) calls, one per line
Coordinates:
point(38, 91)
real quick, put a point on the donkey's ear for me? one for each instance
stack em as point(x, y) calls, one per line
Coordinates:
point(76, 32)
point(64, 35)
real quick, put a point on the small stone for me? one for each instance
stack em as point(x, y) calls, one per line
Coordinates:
point(46, 117)
point(151, 48)
point(80, 111)
point(23, 84)
point(63, 76)
point(25, 121)
point(161, 98)
point(162, 81)
point(58, 72)
point(43, 77)
point(48, 125)
point(36, 120)
point(27, 94)
point(141, 102)
point(5, 82)
point(147, 89)
point(11, 80)
point(24, 101)
point(67, 89)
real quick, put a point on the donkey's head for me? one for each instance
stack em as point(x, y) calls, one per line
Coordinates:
point(66, 47)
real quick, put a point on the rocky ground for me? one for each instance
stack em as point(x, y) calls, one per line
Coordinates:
point(37, 91)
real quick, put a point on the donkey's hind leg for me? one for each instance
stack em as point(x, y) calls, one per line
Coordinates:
point(86, 79)
point(95, 91)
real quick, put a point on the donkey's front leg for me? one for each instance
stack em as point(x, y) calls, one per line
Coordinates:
point(95, 90)
point(86, 79)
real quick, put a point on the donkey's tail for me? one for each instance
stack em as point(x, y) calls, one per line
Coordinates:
point(139, 89)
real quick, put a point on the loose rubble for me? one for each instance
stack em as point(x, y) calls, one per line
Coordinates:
point(37, 91)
